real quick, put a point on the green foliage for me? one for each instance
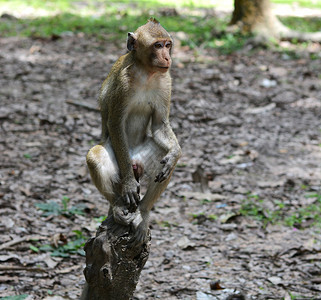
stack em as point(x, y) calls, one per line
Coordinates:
point(50, 208)
point(75, 246)
point(205, 201)
point(34, 249)
point(253, 207)
point(65, 201)
point(195, 216)
point(165, 224)
point(48, 5)
point(301, 3)
point(302, 24)
point(97, 18)
point(298, 297)
point(200, 31)
point(95, 5)
point(229, 42)
point(201, 217)
point(181, 165)
point(66, 23)
point(53, 208)
point(100, 219)
point(212, 217)
point(18, 297)
point(309, 212)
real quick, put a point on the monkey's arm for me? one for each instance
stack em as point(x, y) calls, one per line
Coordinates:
point(165, 138)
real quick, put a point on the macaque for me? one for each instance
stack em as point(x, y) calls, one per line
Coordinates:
point(137, 140)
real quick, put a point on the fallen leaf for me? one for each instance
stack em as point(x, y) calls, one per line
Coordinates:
point(202, 196)
point(10, 256)
point(216, 285)
point(184, 243)
point(275, 280)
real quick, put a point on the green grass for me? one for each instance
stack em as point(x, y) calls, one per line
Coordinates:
point(38, 4)
point(301, 3)
point(62, 23)
point(53, 208)
point(95, 5)
point(200, 30)
point(113, 21)
point(310, 214)
point(17, 297)
point(254, 208)
point(201, 217)
point(302, 24)
point(197, 27)
point(74, 245)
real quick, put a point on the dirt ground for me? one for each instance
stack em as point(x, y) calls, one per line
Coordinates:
point(248, 123)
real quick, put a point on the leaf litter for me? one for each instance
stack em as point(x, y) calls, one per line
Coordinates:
point(249, 127)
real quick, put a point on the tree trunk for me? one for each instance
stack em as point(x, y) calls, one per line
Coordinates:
point(256, 16)
point(112, 269)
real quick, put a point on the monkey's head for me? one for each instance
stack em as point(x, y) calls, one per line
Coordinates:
point(152, 46)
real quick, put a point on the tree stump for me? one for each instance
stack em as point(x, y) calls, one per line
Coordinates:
point(112, 269)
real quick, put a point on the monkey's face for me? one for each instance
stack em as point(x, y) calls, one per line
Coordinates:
point(152, 46)
point(161, 55)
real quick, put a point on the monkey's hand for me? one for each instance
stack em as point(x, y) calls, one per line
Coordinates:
point(130, 190)
point(169, 163)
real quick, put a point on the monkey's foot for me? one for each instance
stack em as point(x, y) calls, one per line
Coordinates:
point(136, 222)
point(123, 216)
point(114, 228)
point(140, 232)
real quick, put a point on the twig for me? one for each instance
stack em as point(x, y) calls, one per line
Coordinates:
point(21, 268)
point(22, 239)
point(82, 104)
point(67, 270)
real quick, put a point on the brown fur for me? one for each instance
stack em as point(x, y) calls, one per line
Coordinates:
point(134, 102)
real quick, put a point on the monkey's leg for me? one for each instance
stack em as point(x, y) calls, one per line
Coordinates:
point(150, 155)
point(103, 170)
point(141, 223)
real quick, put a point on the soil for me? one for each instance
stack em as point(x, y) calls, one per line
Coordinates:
point(249, 127)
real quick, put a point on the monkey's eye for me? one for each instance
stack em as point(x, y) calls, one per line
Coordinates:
point(168, 45)
point(158, 45)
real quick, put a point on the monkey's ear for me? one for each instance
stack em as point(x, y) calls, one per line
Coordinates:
point(131, 41)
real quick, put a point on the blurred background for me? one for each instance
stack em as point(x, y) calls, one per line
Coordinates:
point(241, 217)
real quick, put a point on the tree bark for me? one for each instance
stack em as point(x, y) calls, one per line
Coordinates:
point(256, 16)
point(112, 269)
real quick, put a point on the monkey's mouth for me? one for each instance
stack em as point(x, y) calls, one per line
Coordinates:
point(163, 68)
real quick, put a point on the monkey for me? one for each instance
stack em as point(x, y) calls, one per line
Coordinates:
point(137, 139)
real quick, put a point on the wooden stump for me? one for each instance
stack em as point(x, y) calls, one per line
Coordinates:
point(112, 269)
